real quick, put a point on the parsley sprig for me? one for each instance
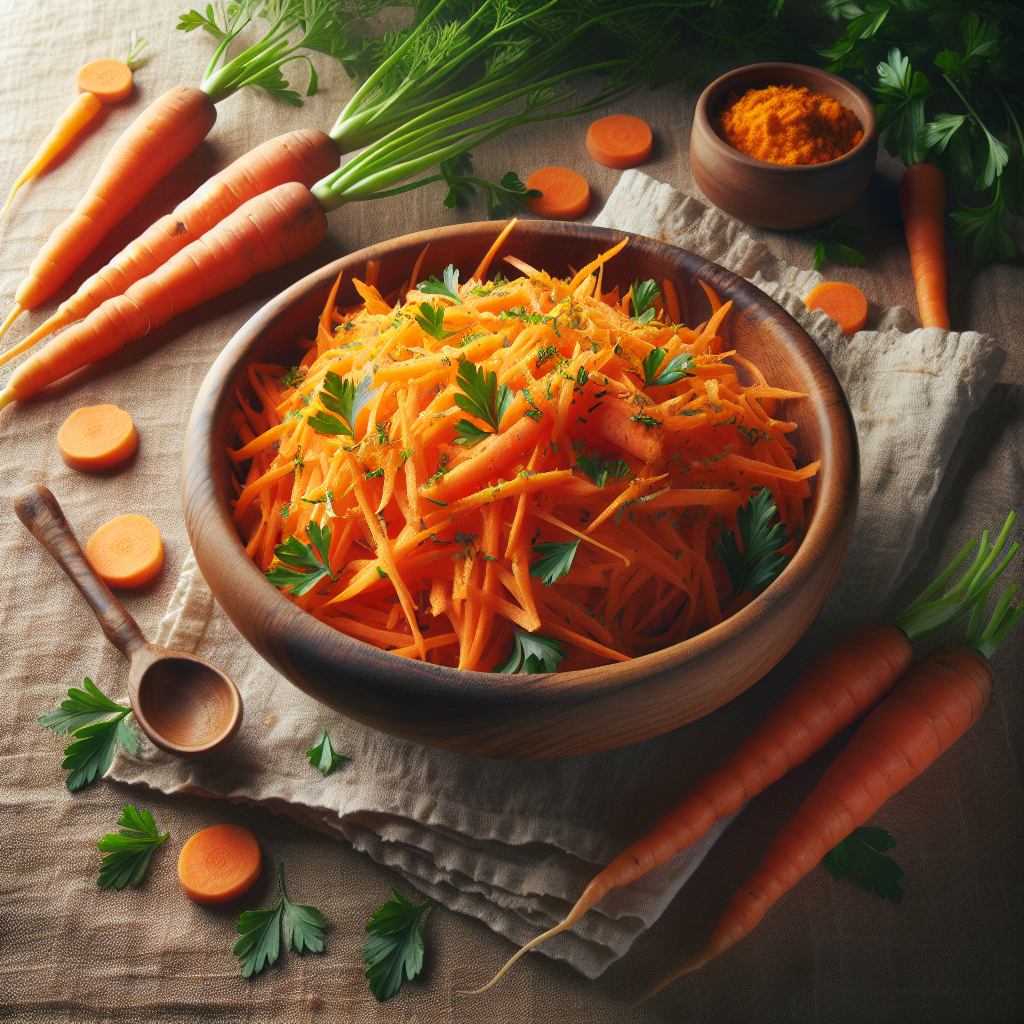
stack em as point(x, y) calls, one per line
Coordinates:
point(92, 749)
point(531, 654)
point(759, 563)
point(675, 369)
point(305, 565)
point(432, 321)
point(129, 849)
point(832, 243)
point(481, 397)
point(262, 930)
point(644, 294)
point(395, 951)
point(554, 562)
point(448, 288)
point(860, 854)
point(324, 758)
point(344, 398)
point(504, 198)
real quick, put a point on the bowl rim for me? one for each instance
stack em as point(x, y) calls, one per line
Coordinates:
point(422, 681)
point(711, 137)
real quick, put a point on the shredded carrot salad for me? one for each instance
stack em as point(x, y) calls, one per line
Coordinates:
point(511, 475)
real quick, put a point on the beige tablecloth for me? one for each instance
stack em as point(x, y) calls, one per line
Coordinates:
point(72, 952)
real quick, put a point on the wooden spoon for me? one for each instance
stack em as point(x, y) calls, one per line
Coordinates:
point(182, 703)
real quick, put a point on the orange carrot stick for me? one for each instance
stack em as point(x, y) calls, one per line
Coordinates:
point(923, 206)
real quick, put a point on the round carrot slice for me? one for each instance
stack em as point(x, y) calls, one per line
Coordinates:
point(845, 303)
point(127, 552)
point(219, 864)
point(566, 193)
point(96, 437)
point(619, 141)
point(110, 81)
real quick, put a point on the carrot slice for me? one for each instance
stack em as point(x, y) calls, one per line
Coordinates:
point(96, 437)
point(219, 864)
point(844, 303)
point(110, 81)
point(619, 141)
point(126, 552)
point(566, 193)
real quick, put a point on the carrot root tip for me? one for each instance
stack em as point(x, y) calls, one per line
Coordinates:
point(11, 317)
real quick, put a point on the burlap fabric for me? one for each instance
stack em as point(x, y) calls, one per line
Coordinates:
point(72, 952)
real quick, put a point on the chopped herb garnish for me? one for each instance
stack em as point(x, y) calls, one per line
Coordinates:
point(555, 561)
point(480, 397)
point(307, 570)
point(432, 321)
point(344, 398)
point(644, 294)
point(448, 288)
point(531, 654)
point(600, 470)
point(675, 370)
point(647, 421)
point(294, 377)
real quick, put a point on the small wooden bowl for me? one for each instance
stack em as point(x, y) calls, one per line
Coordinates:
point(527, 716)
point(779, 196)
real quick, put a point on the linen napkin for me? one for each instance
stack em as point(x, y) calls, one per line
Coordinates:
point(514, 843)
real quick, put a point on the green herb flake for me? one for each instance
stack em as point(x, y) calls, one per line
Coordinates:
point(554, 562)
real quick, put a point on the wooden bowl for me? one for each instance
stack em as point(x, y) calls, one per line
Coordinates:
point(527, 716)
point(780, 196)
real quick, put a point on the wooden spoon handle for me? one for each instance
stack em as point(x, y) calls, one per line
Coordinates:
point(37, 508)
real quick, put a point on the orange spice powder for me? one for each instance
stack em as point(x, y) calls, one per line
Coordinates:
point(784, 124)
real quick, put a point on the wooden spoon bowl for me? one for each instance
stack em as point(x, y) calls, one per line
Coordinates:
point(533, 715)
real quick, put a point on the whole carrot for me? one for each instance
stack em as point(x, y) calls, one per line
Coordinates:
point(836, 690)
point(923, 207)
point(933, 705)
point(305, 155)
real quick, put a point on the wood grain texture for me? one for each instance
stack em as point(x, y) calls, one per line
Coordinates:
point(541, 715)
point(182, 703)
point(782, 197)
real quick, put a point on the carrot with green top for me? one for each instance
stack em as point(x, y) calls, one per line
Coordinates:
point(936, 702)
point(168, 130)
point(836, 690)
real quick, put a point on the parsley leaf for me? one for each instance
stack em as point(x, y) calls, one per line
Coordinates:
point(675, 370)
point(469, 433)
point(395, 952)
point(831, 243)
point(323, 757)
point(81, 708)
point(260, 944)
point(92, 750)
point(344, 398)
point(307, 570)
point(601, 469)
point(555, 561)
point(759, 563)
point(432, 321)
point(454, 171)
point(128, 850)
point(481, 397)
point(860, 854)
point(507, 197)
point(448, 288)
point(991, 241)
point(531, 654)
point(901, 112)
point(644, 294)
